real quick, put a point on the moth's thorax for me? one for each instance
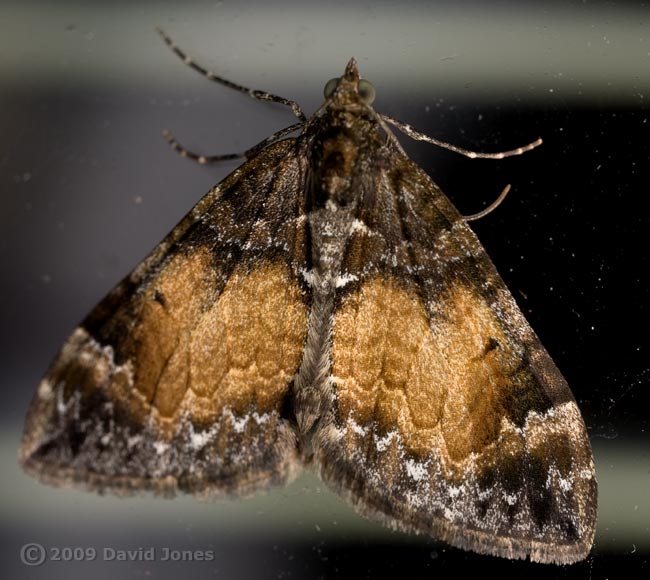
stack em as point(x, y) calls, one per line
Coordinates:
point(339, 152)
point(338, 155)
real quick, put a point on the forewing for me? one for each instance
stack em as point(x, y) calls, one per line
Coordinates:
point(178, 378)
point(449, 417)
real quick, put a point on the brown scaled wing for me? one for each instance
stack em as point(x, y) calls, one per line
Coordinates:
point(174, 381)
point(450, 418)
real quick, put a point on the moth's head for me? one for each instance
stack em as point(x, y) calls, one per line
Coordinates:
point(349, 88)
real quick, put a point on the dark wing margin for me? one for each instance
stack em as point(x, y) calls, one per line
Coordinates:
point(174, 382)
point(449, 418)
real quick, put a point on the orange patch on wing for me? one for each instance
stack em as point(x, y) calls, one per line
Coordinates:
point(196, 354)
point(448, 378)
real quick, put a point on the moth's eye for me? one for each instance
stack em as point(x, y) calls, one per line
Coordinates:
point(330, 87)
point(366, 91)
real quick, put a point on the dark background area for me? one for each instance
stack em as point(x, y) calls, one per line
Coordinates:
point(88, 187)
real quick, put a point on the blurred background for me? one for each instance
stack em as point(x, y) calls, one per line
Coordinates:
point(88, 186)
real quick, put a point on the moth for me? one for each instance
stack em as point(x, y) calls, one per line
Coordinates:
point(325, 305)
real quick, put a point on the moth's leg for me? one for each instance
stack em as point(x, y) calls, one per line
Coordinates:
point(490, 208)
point(205, 159)
point(413, 134)
point(254, 94)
